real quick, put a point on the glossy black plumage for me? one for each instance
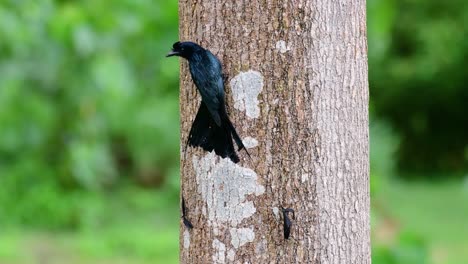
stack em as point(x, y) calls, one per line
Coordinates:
point(211, 129)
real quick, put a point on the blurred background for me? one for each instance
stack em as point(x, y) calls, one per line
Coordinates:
point(89, 131)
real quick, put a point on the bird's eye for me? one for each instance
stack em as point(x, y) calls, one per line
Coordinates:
point(181, 49)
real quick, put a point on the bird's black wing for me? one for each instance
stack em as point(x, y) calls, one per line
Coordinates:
point(206, 73)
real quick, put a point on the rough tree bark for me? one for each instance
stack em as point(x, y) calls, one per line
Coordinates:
point(297, 92)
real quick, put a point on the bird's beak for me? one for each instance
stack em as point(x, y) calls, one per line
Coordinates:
point(172, 53)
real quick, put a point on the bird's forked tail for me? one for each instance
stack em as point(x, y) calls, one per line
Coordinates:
point(207, 134)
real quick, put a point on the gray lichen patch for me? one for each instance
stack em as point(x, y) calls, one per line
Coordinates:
point(276, 212)
point(304, 177)
point(250, 142)
point(261, 247)
point(224, 187)
point(241, 236)
point(246, 86)
point(186, 239)
point(282, 47)
point(231, 255)
point(219, 253)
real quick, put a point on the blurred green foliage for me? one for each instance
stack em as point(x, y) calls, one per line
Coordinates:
point(86, 103)
point(408, 249)
point(418, 71)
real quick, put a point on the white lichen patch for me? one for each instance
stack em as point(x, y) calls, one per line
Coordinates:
point(186, 239)
point(282, 47)
point(231, 255)
point(250, 142)
point(219, 252)
point(304, 177)
point(261, 247)
point(241, 236)
point(276, 212)
point(246, 86)
point(223, 186)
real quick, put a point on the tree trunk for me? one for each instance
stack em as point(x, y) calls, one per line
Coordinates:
point(297, 92)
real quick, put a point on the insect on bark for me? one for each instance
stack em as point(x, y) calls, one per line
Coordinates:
point(287, 223)
point(187, 223)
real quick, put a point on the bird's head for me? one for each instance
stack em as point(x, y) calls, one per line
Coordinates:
point(184, 49)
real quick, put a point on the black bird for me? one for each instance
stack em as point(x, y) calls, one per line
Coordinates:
point(211, 129)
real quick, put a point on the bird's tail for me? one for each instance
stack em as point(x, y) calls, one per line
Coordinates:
point(207, 134)
point(237, 139)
